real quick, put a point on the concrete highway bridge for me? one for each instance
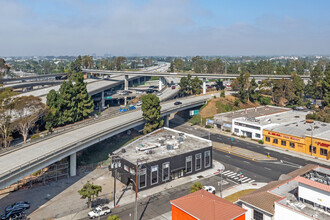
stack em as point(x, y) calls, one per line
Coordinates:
point(23, 161)
point(103, 73)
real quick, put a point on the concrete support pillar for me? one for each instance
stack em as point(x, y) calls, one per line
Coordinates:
point(167, 121)
point(204, 85)
point(102, 101)
point(126, 83)
point(138, 81)
point(73, 164)
point(88, 75)
point(160, 87)
point(125, 100)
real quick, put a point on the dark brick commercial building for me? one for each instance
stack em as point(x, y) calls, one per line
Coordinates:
point(162, 156)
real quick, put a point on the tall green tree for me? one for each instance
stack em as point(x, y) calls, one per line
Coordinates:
point(118, 61)
point(151, 113)
point(298, 89)
point(67, 103)
point(185, 85)
point(84, 103)
point(53, 114)
point(326, 86)
point(253, 93)
point(219, 84)
point(90, 191)
point(315, 84)
point(196, 85)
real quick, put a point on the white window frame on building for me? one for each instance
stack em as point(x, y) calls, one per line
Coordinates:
point(189, 159)
point(166, 165)
point(141, 173)
point(207, 154)
point(198, 157)
point(258, 135)
point(152, 170)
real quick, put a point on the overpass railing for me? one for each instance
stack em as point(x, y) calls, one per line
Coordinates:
point(85, 140)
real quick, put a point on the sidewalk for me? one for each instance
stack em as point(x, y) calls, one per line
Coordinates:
point(273, 148)
point(240, 187)
point(129, 195)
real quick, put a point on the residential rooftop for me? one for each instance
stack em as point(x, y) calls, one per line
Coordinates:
point(252, 112)
point(205, 205)
point(302, 128)
point(160, 144)
point(274, 119)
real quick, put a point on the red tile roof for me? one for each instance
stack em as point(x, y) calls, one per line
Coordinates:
point(206, 206)
point(313, 183)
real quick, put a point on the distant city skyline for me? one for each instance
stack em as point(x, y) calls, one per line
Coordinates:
point(164, 28)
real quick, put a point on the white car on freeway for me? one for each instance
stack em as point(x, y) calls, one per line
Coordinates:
point(99, 211)
point(210, 189)
point(139, 103)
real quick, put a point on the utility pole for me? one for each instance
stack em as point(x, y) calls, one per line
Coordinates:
point(114, 166)
point(136, 188)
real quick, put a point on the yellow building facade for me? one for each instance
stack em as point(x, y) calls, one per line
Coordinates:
point(298, 144)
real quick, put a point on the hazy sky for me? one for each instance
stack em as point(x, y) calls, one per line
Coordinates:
point(164, 27)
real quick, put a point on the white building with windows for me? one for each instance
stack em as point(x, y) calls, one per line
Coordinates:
point(252, 127)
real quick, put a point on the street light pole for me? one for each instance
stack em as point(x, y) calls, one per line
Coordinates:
point(312, 128)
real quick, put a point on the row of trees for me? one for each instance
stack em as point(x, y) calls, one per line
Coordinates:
point(268, 67)
point(18, 113)
point(190, 86)
point(286, 91)
point(72, 103)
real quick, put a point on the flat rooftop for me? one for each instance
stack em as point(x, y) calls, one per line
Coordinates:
point(275, 119)
point(316, 178)
point(160, 144)
point(252, 112)
point(302, 128)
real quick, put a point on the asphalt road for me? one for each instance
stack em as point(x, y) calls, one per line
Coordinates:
point(159, 203)
point(268, 170)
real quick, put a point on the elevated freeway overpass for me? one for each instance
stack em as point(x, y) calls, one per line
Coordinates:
point(17, 164)
point(203, 76)
point(33, 78)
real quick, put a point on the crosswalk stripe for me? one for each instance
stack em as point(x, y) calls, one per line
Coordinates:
point(251, 181)
point(246, 180)
point(243, 178)
point(227, 171)
point(231, 172)
point(231, 175)
point(236, 178)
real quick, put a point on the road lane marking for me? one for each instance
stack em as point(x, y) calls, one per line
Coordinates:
point(251, 181)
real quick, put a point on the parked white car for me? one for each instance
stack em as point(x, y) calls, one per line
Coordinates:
point(139, 103)
point(99, 211)
point(210, 189)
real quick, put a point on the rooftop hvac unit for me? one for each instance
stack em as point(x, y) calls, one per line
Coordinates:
point(181, 134)
point(123, 150)
point(180, 139)
point(149, 151)
point(169, 147)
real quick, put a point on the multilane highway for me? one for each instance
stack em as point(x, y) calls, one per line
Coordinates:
point(18, 164)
